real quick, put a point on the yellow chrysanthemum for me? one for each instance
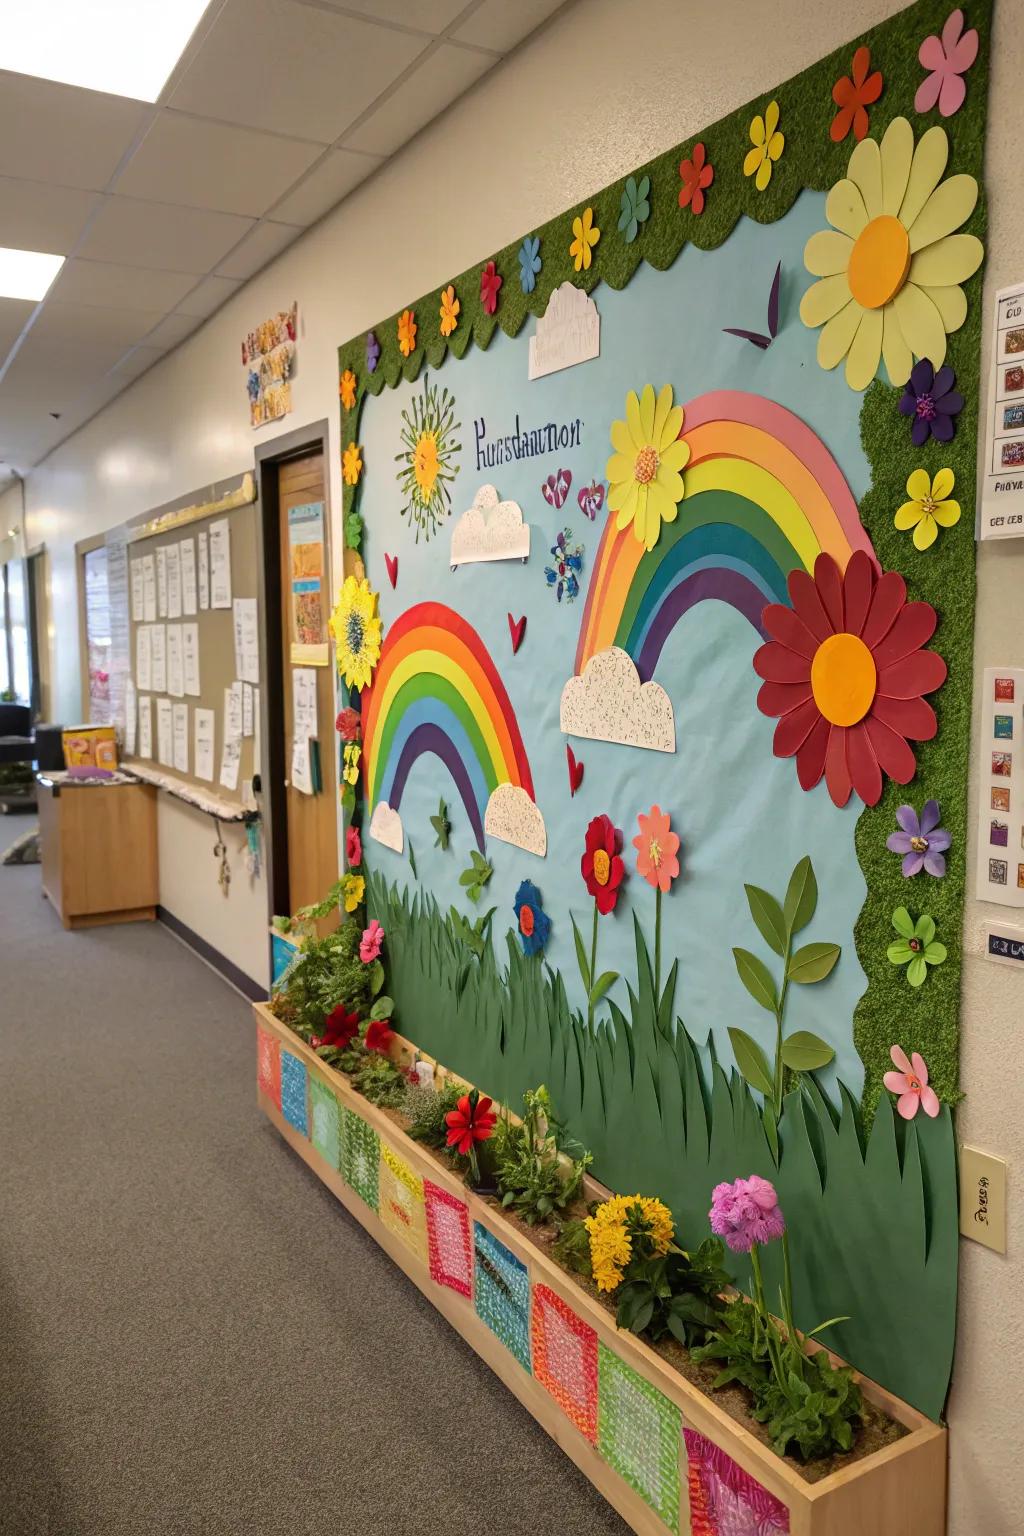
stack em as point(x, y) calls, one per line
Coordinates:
point(353, 888)
point(658, 1219)
point(407, 329)
point(449, 311)
point(609, 1254)
point(353, 752)
point(347, 389)
point(351, 464)
point(645, 484)
point(586, 235)
point(768, 145)
point(612, 1228)
point(929, 507)
point(891, 265)
point(355, 625)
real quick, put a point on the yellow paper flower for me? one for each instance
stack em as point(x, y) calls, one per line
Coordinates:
point(449, 311)
point(645, 484)
point(353, 888)
point(587, 235)
point(407, 329)
point(353, 752)
point(890, 266)
point(768, 145)
point(351, 464)
point(928, 509)
point(355, 625)
point(347, 389)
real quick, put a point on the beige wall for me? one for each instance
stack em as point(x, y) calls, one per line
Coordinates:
point(603, 88)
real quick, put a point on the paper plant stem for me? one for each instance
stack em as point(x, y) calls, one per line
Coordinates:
point(780, 1010)
point(593, 970)
point(772, 1341)
point(787, 1292)
point(657, 947)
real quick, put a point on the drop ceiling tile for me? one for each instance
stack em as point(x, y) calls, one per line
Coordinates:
point(423, 15)
point(432, 87)
point(37, 217)
point(212, 165)
point(61, 134)
point(292, 68)
point(136, 362)
point(266, 241)
point(116, 287)
point(51, 376)
point(337, 174)
point(501, 25)
point(208, 296)
point(171, 330)
point(162, 235)
point(13, 314)
point(90, 324)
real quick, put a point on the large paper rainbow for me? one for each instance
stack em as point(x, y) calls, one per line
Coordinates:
point(437, 690)
point(763, 495)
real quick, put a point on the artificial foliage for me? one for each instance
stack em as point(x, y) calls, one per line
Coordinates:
point(534, 1180)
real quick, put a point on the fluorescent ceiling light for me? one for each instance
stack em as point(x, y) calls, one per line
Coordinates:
point(123, 47)
point(27, 274)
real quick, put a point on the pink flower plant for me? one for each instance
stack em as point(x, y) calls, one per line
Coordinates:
point(371, 943)
point(353, 847)
point(948, 57)
point(911, 1084)
point(746, 1212)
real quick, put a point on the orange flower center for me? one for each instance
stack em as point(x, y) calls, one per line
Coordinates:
point(879, 261)
point(915, 1085)
point(526, 920)
point(646, 466)
point(843, 679)
point(602, 867)
point(425, 463)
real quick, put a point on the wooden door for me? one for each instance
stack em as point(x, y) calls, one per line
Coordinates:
point(311, 819)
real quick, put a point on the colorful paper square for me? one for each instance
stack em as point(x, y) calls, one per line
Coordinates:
point(451, 1253)
point(502, 1293)
point(725, 1500)
point(360, 1157)
point(638, 1434)
point(268, 1065)
point(402, 1206)
point(1002, 727)
point(293, 1092)
point(565, 1359)
point(325, 1131)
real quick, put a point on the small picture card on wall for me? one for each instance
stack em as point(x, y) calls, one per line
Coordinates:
point(568, 332)
point(1000, 870)
point(1001, 505)
point(307, 551)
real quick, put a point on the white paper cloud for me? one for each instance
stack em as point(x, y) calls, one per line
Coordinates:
point(512, 817)
point(386, 827)
point(568, 332)
point(490, 530)
point(608, 702)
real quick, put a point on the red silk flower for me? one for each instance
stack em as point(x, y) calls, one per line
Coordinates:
point(473, 1121)
point(601, 865)
point(340, 1029)
point(379, 1036)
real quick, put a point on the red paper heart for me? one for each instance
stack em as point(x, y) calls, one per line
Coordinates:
point(391, 561)
point(575, 770)
point(517, 629)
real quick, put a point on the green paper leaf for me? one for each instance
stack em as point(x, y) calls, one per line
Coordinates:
point(581, 956)
point(771, 1130)
point(917, 971)
point(412, 860)
point(353, 530)
point(601, 985)
point(768, 916)
point(804, 1052)
point(751, 1061)
point(376, 977)
point(801, 896)
point(757, 978)
point(441, 825)
point(901, 921)
point(812, 962)
point(383, 1008)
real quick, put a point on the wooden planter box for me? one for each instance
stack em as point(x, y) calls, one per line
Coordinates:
point(612, 1404)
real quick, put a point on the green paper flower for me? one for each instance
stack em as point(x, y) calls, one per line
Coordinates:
point(635, 206)
point(916, 947)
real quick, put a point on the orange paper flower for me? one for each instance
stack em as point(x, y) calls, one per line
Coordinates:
point(347, 389)
point(449, 311)
point(697, 175)
point(407, 329)
point(656, 849)
point(351, 464)
point(853, 94)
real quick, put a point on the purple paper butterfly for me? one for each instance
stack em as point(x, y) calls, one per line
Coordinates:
point(757, 337)
point(591, 499)
point(556, 488)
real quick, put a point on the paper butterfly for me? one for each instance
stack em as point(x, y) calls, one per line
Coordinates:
point(759, 340)
point(563, 576)
point(556, 488)
point(591, 499)
point(441, 825)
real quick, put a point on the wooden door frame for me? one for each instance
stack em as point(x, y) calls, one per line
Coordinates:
point(274, 765)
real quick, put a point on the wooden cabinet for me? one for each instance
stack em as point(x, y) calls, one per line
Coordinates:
point(98, 851)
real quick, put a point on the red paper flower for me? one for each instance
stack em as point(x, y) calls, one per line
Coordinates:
point(490, 281)
point(353, 847)
point(472, 1121)
point(349, 725)
point(846, 670)
point(340, 1029)
point(853, 94)
point(697, 174)
point(601, 865)
point(379, 1036)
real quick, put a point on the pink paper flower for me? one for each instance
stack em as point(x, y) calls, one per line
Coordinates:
point(353, 847)
point(746, 1212)
point(371, 943)
point(948, 57)
point(911, 1083)
point(490, 281)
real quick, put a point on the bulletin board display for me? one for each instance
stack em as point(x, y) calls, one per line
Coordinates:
point(192, 707)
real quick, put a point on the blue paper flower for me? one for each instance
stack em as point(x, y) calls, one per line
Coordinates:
point(635, 206)
point(564, 574)
point(529, 263)
point(372, 351)
point(533, 922)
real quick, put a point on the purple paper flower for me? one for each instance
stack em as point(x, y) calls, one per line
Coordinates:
point(922, 842)
point(931, 400)
point(746, 1212)
point(372, 351)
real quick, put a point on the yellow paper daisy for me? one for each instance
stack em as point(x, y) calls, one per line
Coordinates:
point(347, 389)
point(929, 507)
point(768, 145)
point(645, 485)
point(355, 625)
point(586, 235)
point(449, 311)
point(891, 265)
point(351, 464)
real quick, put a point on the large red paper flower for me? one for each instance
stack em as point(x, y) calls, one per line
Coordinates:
point(472, 1121)
point(846, 670)
point(601, 865)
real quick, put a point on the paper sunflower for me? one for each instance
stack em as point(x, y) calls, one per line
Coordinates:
point(846, 670)
point(355, 625)
point(427, 459)
point(891, 265)
point(645, 483)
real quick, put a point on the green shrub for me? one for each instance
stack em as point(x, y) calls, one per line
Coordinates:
point(533, 1180)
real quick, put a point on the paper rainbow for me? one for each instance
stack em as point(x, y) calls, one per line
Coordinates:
point(436, 690)
point(763, 495)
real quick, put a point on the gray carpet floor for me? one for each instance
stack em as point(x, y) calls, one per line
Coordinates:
point(194, 1336)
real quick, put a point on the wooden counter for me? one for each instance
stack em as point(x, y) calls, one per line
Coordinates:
point(98, 851)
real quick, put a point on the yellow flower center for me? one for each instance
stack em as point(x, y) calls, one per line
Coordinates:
point(879, 261)
point(646, 466)
point(843, 679)
point(425, 462)
point(919, 844)
point(927, 505)
point(602, 867)
point(654, 852)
